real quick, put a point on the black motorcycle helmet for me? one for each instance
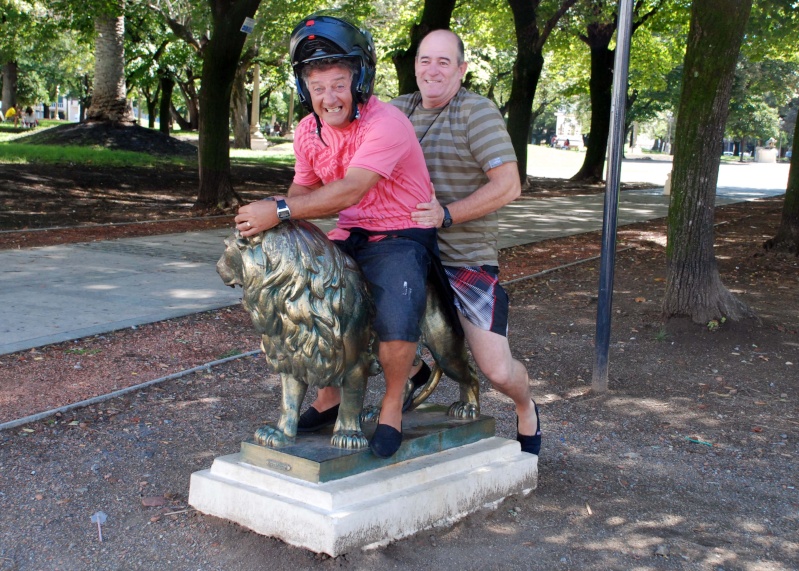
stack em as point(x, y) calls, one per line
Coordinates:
point(321, 37)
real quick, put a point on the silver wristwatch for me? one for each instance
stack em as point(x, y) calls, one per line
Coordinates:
point(283, 211)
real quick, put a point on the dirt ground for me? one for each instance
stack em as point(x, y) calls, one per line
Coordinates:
point(688, 462)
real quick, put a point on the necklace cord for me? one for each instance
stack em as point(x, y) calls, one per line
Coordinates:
point(431, 122)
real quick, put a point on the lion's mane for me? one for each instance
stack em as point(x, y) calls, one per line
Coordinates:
point(308, 301)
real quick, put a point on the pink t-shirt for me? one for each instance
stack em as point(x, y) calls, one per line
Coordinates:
point(383, 141)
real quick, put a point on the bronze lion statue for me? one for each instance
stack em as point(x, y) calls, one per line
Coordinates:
point(311, 305)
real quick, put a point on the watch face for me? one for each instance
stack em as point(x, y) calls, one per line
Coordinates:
point(283, 212)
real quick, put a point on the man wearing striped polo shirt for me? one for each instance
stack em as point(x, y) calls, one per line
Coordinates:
point(474, 173)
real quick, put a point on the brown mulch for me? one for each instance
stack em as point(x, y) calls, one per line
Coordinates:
point(688, 462)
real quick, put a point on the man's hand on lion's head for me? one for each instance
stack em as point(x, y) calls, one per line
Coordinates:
point(256, 217)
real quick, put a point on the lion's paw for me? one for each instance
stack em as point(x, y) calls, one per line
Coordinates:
point(272, 437)
point(464, 410)
point(349, 440)
point(370, 414)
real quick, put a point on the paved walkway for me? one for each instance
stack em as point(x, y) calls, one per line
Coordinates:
point(58, 293)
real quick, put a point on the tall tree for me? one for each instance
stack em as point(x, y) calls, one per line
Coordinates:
point(776, 24)
point(239, 107)
point(600, 30)
point(18, 23)
point(109, 95)
point(693, 283)
point(436, 15)
point(656, 58)
point(787, 237)
point(220, 60)
point(220, 55)
point(530, 42)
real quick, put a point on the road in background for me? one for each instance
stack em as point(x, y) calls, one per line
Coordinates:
point(555, 163)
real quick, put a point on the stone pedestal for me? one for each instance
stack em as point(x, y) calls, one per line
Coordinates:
point(258, 143)
point(352, 504)
point(765, 155)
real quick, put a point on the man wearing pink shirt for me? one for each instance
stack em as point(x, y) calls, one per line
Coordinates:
point(359, 158)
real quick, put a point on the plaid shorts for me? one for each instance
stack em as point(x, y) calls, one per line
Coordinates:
point(479, 297)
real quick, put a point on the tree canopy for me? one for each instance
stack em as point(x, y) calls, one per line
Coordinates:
point(532, 59)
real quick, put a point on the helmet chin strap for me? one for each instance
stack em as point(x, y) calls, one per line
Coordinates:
point(319, 128)
point(356, 112)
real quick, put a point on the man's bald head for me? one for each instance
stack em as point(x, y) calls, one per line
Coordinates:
point(445, 36)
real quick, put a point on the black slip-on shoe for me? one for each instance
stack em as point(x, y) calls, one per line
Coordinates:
point(530, 444)
point(312, 420)
point(385, 441)
point(419, 380)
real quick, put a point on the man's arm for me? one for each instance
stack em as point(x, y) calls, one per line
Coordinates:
point(503, 187)
point(301, 190)
point(305, 202)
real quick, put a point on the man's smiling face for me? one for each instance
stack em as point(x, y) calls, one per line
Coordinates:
point(331, 95)
point(439, 70)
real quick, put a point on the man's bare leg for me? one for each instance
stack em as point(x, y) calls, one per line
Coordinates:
point(327, 398)
point(396, 357)
point(491, 352)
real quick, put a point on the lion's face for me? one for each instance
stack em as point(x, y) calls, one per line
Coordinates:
point(305, 297)
point(230, 266)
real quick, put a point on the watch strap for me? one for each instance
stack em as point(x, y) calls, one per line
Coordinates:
point(447, 222)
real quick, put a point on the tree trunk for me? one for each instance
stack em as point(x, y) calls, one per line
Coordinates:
point(693, 283)
point(239, 116)
point(600, 87)
point(526, 72)
point(179, 119)
point(787, 237)
point(109, 100)
point(435, 16)
point(220, 60)
point(10, 72)
point(239, 109)
point(167, 84)
point(151, 101)
point(189, 92)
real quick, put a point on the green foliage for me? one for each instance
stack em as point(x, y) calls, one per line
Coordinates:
point(760, 90)
point(772, 31)
point(662, 334)
point(79, 15)
point(715, 324)
point(47, 54)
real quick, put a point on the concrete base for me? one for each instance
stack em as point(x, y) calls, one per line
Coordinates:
point(258, 143)
point(368, 509)
point(765, 155)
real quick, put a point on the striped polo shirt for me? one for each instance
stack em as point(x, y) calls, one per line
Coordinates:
point(461, 142)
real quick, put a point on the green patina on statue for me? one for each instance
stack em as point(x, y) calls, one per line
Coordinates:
point(312, 308)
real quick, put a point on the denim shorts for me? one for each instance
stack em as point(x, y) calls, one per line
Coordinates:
point(396, 270)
